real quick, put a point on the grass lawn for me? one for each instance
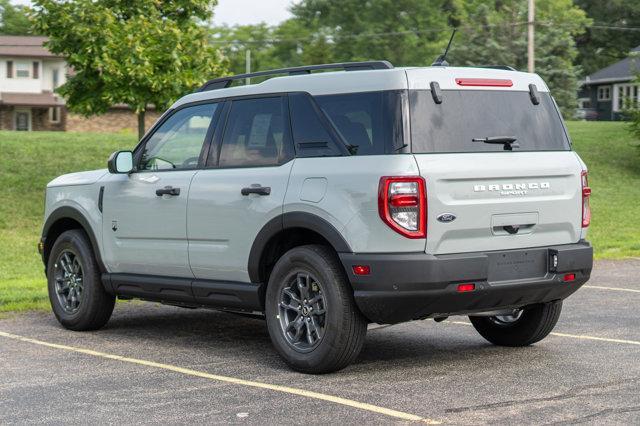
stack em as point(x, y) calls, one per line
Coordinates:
point(30, 160)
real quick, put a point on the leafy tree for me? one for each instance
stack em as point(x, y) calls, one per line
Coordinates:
point(599, 47)
point(289, 44)
point(495, 33)
point(406, 32)
point(14, 19)
point(143, 53)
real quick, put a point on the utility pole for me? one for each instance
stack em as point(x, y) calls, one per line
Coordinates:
point(247, 65)
point(531, 36)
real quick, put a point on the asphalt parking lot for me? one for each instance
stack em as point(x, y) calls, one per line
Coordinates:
point(155, 363)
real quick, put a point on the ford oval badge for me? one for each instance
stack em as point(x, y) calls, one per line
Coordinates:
point(446, 217)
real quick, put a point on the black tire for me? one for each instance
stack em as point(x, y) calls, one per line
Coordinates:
point(534, 324)
point(344, 327)
point(94, 305)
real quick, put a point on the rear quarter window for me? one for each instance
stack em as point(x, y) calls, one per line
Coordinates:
point(467, 114)
point(371, 122)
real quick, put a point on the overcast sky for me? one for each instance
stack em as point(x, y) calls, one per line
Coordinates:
point(234, 12)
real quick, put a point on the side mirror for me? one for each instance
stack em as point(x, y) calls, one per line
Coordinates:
point(120, 162)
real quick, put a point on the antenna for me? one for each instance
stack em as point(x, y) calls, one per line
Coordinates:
point(440, 61)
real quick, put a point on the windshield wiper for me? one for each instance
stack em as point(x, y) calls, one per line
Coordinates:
point(509, 142)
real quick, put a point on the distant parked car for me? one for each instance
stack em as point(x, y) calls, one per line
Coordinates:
point(586, 114)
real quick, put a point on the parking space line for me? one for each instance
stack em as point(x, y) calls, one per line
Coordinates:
point(573, 336)
point(631, 290)
point(233, 380)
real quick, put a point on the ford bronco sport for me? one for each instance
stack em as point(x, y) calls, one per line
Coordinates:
point(330, 200)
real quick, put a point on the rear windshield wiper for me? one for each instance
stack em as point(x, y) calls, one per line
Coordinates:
point(509, 142)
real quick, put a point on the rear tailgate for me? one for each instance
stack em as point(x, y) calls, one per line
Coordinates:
point(501, 201)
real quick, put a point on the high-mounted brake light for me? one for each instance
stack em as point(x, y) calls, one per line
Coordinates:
point(490, 82)
point(586, 193)
point(402, 204)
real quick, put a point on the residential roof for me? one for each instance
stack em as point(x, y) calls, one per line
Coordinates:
point(31, 46)
point(46, 99)
point(624, 70)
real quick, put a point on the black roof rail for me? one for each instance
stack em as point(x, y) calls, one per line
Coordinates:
point(224, 82)
point(499, 67)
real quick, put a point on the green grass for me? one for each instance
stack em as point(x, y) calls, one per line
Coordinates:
point(27, 162)
point(613, 158)
point(30, 160)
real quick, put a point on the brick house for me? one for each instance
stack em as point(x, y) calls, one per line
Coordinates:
point(607, 92)
point(29, 74)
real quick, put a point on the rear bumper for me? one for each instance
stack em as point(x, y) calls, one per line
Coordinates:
point(402, 287)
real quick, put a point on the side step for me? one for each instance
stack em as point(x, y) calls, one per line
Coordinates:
point(184, 291)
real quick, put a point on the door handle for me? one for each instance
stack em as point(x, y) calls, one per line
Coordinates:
point(256, 189)
point(167, 190)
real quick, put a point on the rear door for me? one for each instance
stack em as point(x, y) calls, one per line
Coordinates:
point(483, 196)
point(242, 188)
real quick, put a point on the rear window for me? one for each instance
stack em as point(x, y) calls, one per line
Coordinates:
point(371, 122)
point(465, 115)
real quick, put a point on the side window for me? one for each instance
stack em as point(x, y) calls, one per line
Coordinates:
point(256, 134)
point(177, 143)
point(310, 136)
point(371, 122)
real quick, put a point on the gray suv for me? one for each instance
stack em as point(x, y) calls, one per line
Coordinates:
point(329, 200)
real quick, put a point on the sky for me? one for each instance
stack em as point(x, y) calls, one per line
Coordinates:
point(234, 12)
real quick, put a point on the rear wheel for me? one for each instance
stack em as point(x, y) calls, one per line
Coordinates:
point(78, 298)
point(311, 315)
point(524, 327)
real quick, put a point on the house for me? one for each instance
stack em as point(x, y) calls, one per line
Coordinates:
point(29, 75)
point(607, 92)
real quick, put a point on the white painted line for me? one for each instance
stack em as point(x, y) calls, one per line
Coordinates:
point(630, 290)
point(573, 336)
point(233, 380)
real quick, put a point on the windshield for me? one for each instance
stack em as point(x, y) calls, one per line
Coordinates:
point(491, 117)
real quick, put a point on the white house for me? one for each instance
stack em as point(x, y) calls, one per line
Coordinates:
point(28, 75)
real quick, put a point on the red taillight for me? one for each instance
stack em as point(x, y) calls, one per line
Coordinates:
point(491, 82)
point(586, 193)
point(463, 288)
point(402, 204)
point(361, 269)
point(569, 277)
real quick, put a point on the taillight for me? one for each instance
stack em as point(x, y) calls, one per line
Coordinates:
point(586, 193)
point(402, 204)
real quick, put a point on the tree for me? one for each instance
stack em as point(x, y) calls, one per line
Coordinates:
point(14, 19)
point(495, 33)
point(405, 32)
point(600, 46)
point(143, 53)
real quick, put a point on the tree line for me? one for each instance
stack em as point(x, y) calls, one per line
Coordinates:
point(142, 53)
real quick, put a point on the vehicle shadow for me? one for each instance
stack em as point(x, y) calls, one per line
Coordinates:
point(225, 336)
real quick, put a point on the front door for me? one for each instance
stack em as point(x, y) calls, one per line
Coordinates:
point(231, 202)
point(23, 119)
point(145, 212)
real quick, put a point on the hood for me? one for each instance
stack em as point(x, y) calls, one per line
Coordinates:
point(79, 178)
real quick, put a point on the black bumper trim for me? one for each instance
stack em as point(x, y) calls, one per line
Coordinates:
point(402, 287)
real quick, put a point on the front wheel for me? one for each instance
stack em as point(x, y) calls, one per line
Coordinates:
point(524, 327)
point(311, 315)
point(78, 298)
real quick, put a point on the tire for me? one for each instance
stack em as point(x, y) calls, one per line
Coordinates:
point(534, 324)
point(341, 326)
point(92, 306)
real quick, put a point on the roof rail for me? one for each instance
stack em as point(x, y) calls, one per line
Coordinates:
point(499, 67)
point(224, 82)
